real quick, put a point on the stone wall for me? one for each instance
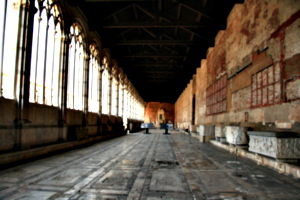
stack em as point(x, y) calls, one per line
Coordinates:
point(29, 124)
point(152, 109)
point(183, 108)
point(41, 125)
point(259, 54)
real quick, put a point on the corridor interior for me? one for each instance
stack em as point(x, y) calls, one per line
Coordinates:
point(79, 79)
point(148, 167)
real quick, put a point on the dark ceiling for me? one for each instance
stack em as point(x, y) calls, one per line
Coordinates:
point(158, 43)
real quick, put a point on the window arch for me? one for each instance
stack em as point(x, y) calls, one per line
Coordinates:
point(114, 89)
point(9, 29)
point(45, 60)
point(105, 92)
point(94, 67)
point(76, 68)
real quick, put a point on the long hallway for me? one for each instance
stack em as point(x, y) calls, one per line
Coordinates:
point(146, 166)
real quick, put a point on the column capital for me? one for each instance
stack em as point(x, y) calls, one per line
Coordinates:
point(87, 56)
point(115, 72)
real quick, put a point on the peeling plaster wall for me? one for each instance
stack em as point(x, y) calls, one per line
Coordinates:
point(259, 53)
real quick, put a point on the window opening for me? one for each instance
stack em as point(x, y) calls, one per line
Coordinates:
point(45, 60)
point(76, 68)
point(94, 79)
point(9, 29)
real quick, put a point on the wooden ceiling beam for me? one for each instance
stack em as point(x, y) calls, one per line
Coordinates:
point(158, 79)
point(146, 11)
point(114, 0)
point(193, 32)
point(153, 24)
point(156, 65)
point(154, 55)
point(118, 11)
point(194, 6)
point(149, 32)
point(158, 42)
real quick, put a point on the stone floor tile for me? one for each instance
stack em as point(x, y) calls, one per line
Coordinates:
point(146, 167)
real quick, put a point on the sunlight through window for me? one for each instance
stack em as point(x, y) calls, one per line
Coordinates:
point(94, 79)
point(45, 61)
point(76, 69)
point(105, 91)
point(9, 38)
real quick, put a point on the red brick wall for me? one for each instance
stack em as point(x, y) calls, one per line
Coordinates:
point(153, 107)
point(259, 53)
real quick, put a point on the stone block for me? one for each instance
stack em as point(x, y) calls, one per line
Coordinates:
point(167, 180)
point(284, 125)
point(33, 136)
point(220, 134)
point(7, 139)
point(8, 111)
point(236, 135)
point(279, 145)
point(206, 132)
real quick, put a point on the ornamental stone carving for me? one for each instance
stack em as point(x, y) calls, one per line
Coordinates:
point(236, 135)
point(274, 145)
point(94, 50)
point(105, 59)
point(121, 76)
point(125, 82)
point(114, 72)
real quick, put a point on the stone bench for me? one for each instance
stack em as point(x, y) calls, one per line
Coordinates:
point(283, 146)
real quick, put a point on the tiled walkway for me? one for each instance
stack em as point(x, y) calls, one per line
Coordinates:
point(146, 166)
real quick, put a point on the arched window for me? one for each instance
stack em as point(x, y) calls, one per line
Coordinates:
point(9, 29)
point(45, 59)
point(76, 68)
point(105, 93)
point(114, 90)
point(94, 66)
point(114, 97)
point(121, 96)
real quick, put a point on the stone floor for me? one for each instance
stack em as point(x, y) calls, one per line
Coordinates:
point(147, 167)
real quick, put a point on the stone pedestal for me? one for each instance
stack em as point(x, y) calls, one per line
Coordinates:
point(236, 135)
point(220, 134)
point(206, 132)
point(279, 145)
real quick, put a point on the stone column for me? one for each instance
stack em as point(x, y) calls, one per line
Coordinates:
point(125, 106)
point(100, 72)
point(117, 98)
point(85, 89)
point(27, 11)
point(115, 74)
point(130, 103)
point(125, 101)
point(122, 102)
point(63, 89)
point(109, 93)
point(120, 90)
